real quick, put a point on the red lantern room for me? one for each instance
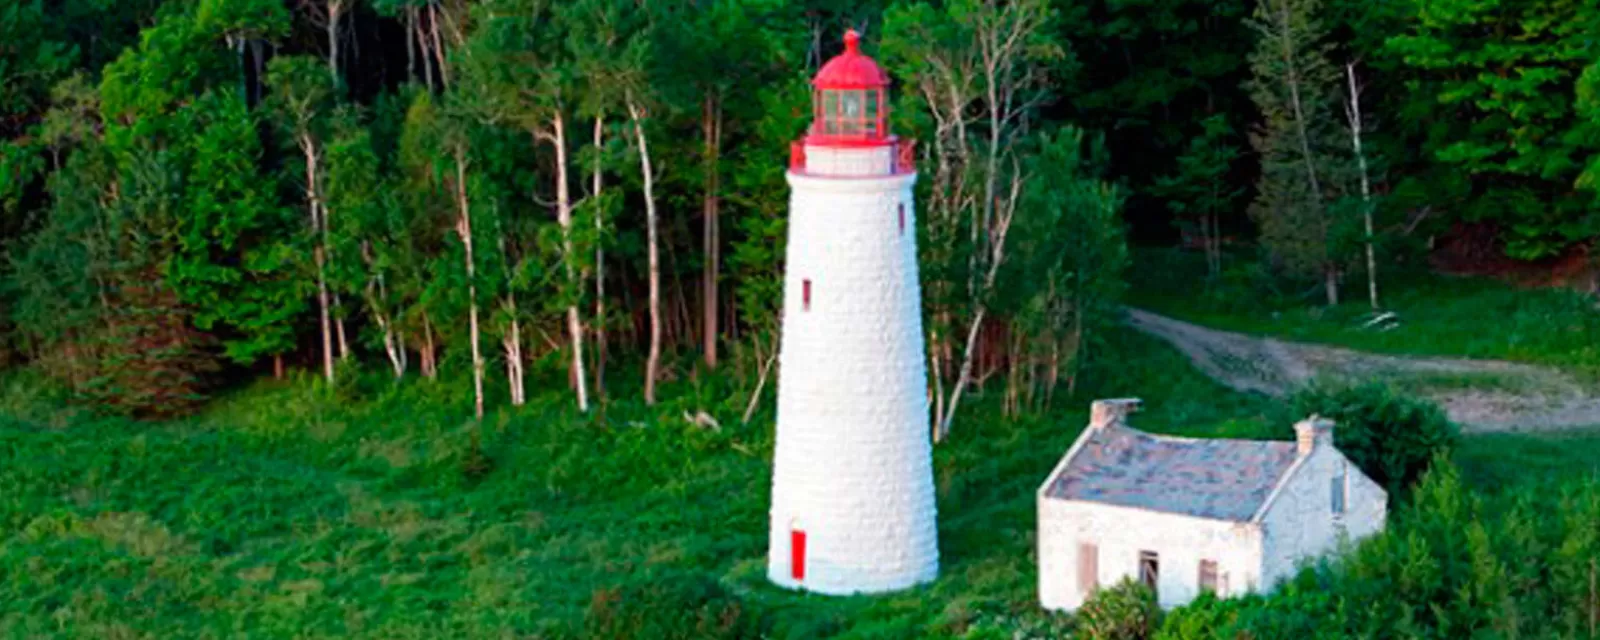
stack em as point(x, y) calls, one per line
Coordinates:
point(848, 101)
point(849, 134)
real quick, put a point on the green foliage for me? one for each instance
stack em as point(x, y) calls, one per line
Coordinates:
point(1497, 80)
point(236, 262)
point(682, 606)
point(1293, 85)
point(1124, 611)
point(1198, 191)
point(243, 20)
point(1448, 565)
point(33, 58)
point(1063, 282)
point(1392, 437)
point(288, 508)
point(1158, 70)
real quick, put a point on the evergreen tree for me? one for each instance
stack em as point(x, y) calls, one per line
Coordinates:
point(1293, 86)
point(236, 262)
point(1199, 192)
point(1493, 85)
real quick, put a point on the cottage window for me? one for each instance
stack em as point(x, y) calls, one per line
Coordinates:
point(1208, 575)
point(902, 218)
point(1338, 490)
point(1150, 569)
point(1088, 568)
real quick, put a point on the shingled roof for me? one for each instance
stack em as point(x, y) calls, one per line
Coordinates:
point(1207, 478)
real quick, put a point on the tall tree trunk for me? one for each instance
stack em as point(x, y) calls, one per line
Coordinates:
point(653, 361)
point(599, 262)
point(319, 253)
point(425, 48)
point(512, 342)
point(277, 366)
point(335, 12)
point(428, 352)
point(438, 43)
point(963, 378)
point(338, 319)
point(411, 44)
point(391, 346)
point(564, 217)
point(377, 296)
point(1353, 113)
point(1293, 81)
point(711, 211)
point(464, 229)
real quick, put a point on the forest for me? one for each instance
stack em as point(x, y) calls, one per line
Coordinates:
point(428, 294)
point(197, 193)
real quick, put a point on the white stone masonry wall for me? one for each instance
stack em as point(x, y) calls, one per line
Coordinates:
point(850, 161)
point(853, 463)
point(1120, 533)
point(1299, 522)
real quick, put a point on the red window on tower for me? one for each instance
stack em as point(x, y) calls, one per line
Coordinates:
point(805, 294)
point(797, 554)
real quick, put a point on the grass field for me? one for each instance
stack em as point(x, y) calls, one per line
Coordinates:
point(288, 510)
point(1439, 315)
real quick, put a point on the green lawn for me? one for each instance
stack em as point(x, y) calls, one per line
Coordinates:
point(1439, 315)
point(289, 511)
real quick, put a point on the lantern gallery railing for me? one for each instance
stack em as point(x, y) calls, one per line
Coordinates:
point(902, 156)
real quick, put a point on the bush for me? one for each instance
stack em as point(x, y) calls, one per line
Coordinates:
point(670, 605)
point(1390, 436)
point(1127, 611)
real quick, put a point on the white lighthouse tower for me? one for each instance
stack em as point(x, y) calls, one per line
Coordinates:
point(852, 486)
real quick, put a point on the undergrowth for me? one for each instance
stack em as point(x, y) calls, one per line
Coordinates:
point(381, 511)
point(384, 511)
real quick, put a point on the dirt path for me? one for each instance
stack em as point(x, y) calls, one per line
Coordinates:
point(1480, 395)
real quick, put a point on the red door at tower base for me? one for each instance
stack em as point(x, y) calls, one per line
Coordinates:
point(797, 554)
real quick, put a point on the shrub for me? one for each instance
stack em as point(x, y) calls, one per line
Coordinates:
point(1126, 611)
point(670, 605)
point(1390, 436)
point(1202, 619)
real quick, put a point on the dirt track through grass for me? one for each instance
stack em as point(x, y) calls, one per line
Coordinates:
point(1480, 395)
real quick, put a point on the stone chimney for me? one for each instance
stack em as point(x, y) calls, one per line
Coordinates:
point(1105, 413)
point(1315, 431)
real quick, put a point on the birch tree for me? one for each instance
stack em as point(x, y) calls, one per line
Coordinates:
point(652, 367)
point(1352, 112)
point(980, 70)
point(529, 77)
point(303, 97)
point(1293, 86)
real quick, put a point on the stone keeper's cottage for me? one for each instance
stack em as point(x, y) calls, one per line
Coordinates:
point(1185, 515)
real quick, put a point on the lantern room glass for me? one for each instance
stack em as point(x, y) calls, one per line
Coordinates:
point(850, 113)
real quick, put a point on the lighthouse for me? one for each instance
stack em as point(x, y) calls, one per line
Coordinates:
point(852, 485)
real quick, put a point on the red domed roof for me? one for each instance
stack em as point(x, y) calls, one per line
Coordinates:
point(850, 70)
